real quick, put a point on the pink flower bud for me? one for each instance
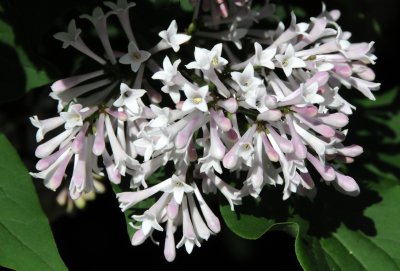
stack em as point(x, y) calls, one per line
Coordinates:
point(229, 105)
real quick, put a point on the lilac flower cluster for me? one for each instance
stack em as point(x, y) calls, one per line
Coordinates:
point(272, 116)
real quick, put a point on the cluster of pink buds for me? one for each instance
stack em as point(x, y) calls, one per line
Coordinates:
point(271, 116)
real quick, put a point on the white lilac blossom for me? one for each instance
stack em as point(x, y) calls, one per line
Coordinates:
point(172, 38)
point(263, 57)
point(195, 99)
point(171, 78)
point(272, 113)
point(134, 57)
point(288, 61)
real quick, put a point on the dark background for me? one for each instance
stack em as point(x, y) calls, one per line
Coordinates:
point(96, 237)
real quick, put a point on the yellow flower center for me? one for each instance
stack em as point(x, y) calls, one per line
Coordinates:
point(214, 61)
point(178, 183)
point(246, 146)
point(312, 58)
point(136, 55)
point(197, 100)
point(285, 62)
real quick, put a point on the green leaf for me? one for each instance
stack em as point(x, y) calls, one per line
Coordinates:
point(26, 238)
point(367, 241)
point(383, 98)
point(23, 74)
point(254, 218)
point(349, 249)
point(186, 5)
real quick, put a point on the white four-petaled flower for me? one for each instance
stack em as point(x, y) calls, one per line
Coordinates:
point(263, 57)
point(134, 57)
point(246, 79)
point(69, 37)
point(195, 98)
point(149, 222)
point(129, 98)
point(289, 61)
point(73, 116)
point(178, 188)
point(168, 76)
point(208, 59)
point(172, 38)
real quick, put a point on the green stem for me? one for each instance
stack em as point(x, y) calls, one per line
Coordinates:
point(248, 112)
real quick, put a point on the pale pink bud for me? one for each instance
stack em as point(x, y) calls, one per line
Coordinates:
point(337, 120)
point(55, 181)
point(308, 111)
point(48, 147)
point(347, 184)
point(138, 238)
point(169, 246)
point(172, 209)
point(223, 122)
point(284, 144)
point(67, 83)
point(343, 70)
point(270, 101)
point(364, 72)
point(320, 128)
point(211, 219)
point(44, 163)
point(352, 151)
point(269, 150)
point(270, 115)
point(335, 14)
point(99, 143)
point(230, 105)
point(327, 172)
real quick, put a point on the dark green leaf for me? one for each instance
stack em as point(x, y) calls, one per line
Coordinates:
point(26, 239)
point(349, 246)
point(383, 98)
point(350, 249)
point(186, 5)
point(22, 73)
point(254, 218)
